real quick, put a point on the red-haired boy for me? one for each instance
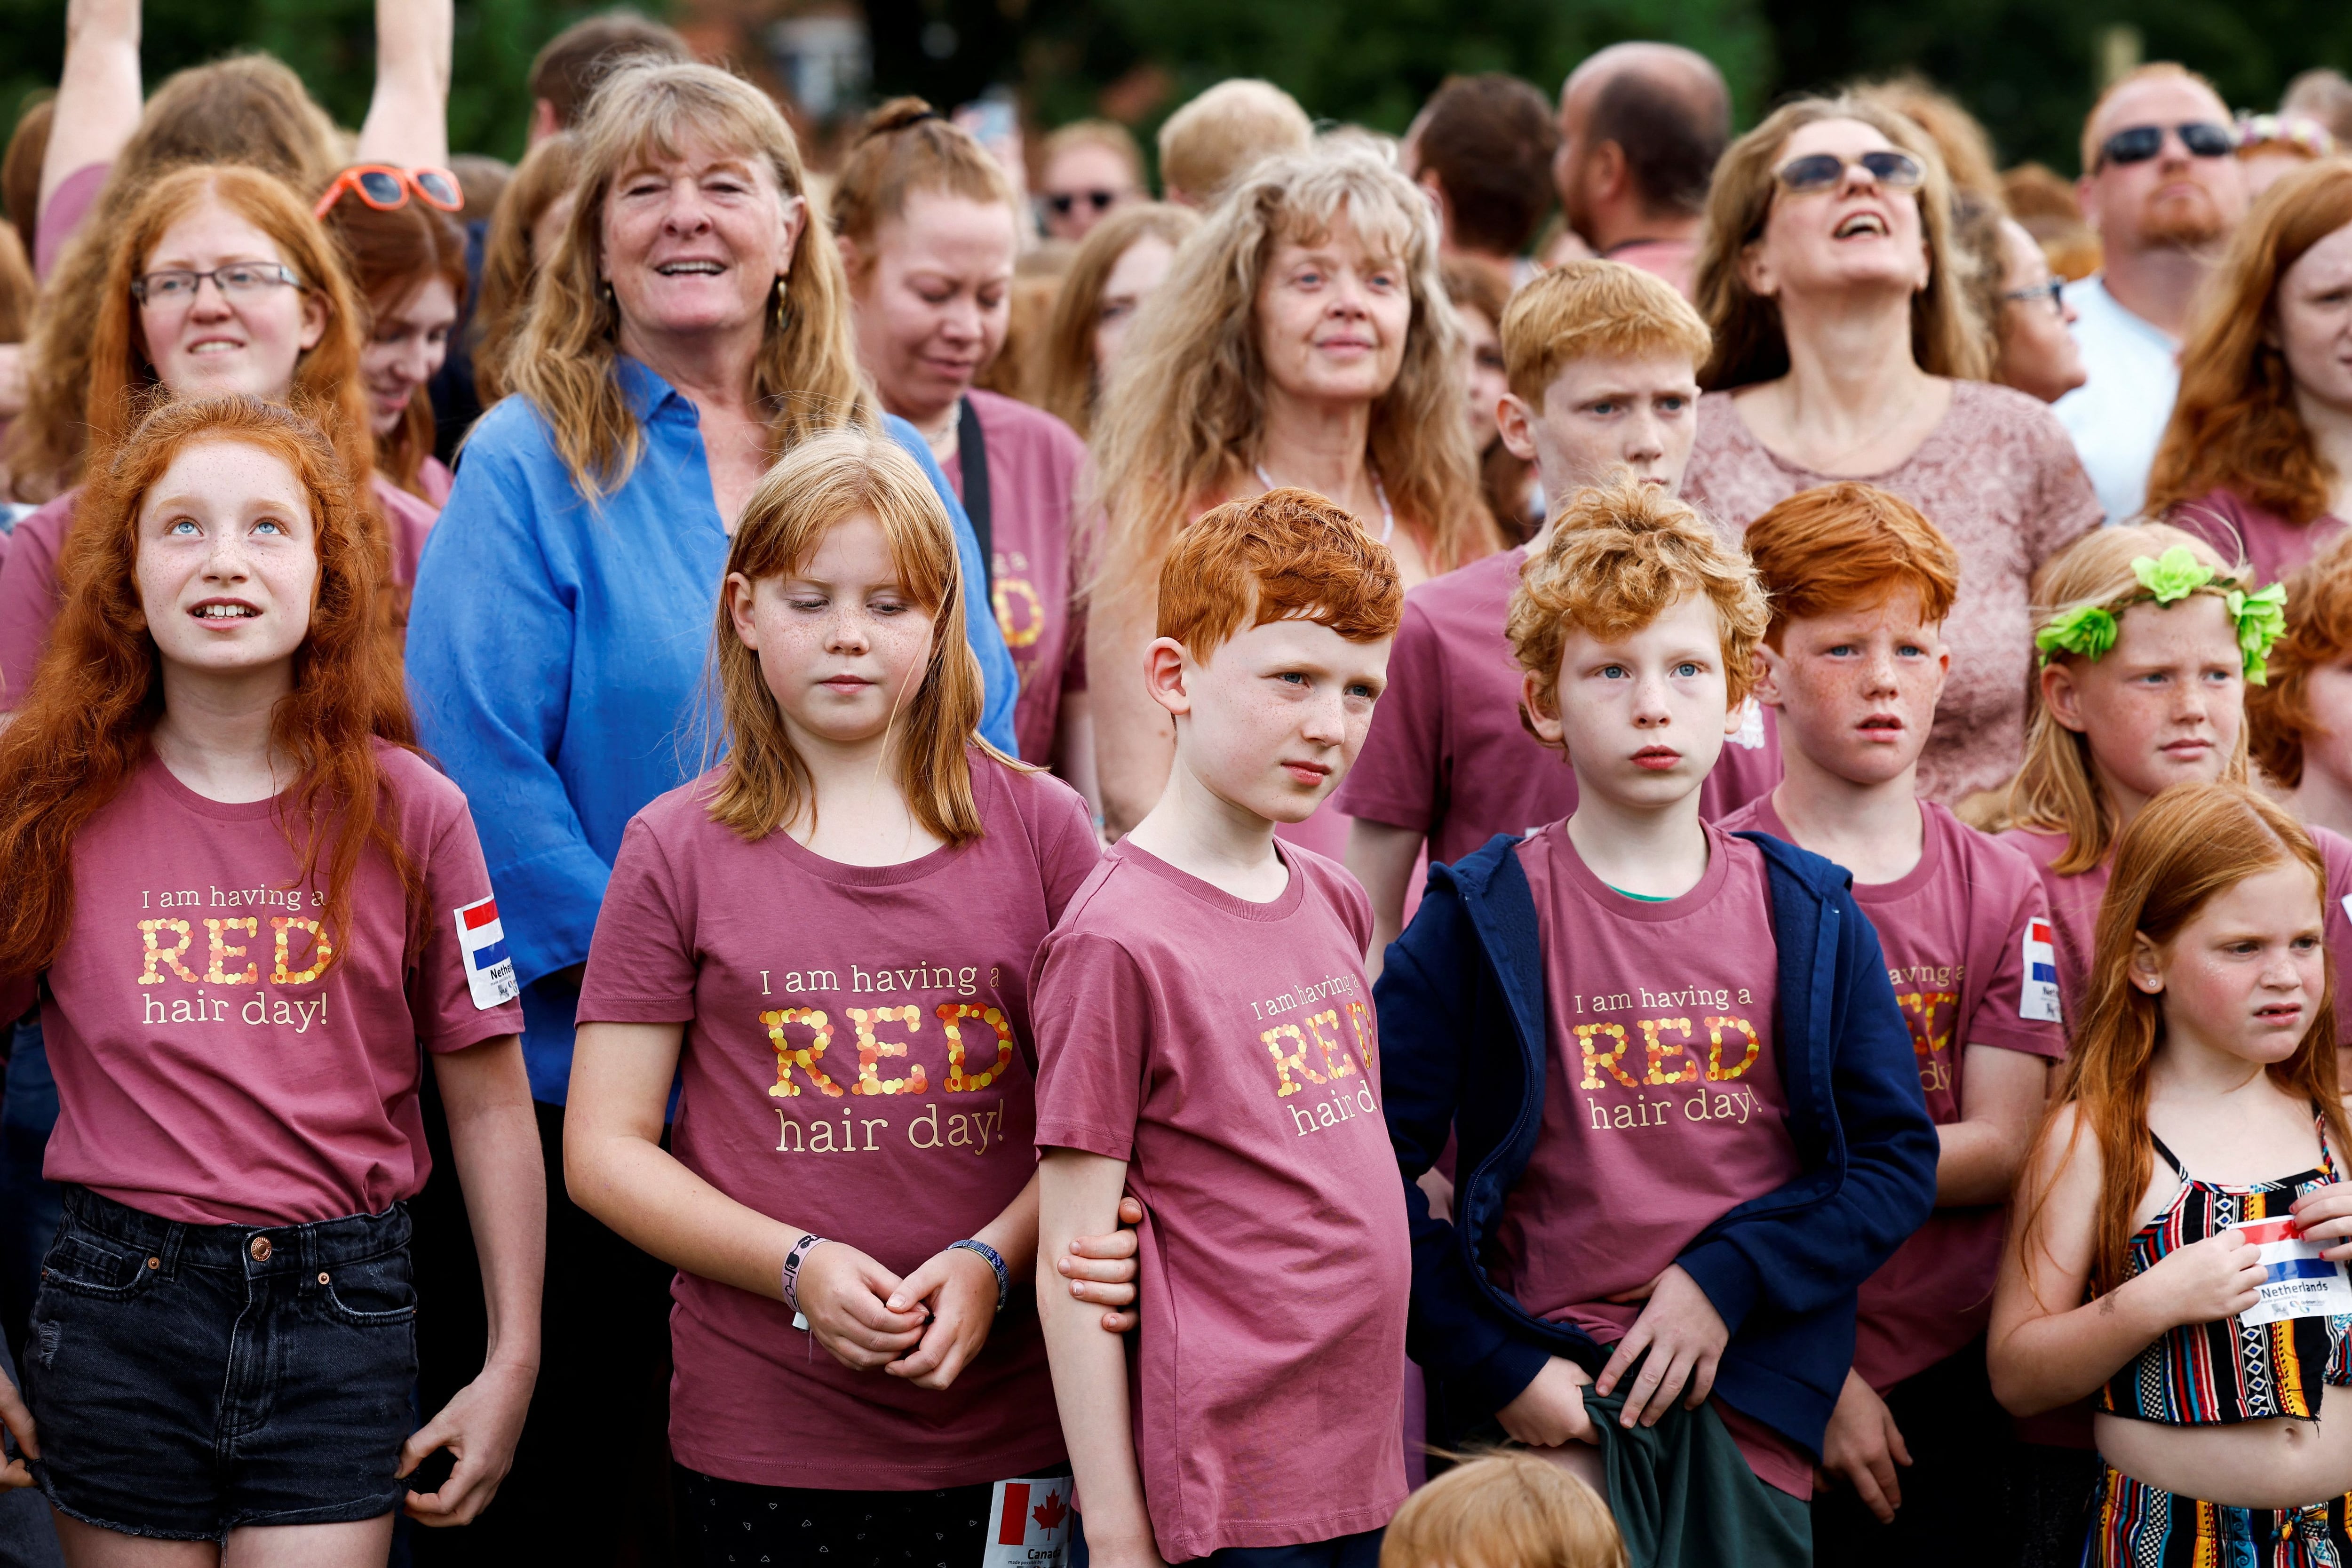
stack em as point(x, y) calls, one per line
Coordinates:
point(1205, 1037)
point(1688, 1126)
point(1859, 584)
point(1602, 362)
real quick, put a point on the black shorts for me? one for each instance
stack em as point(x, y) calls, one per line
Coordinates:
point(189, 1380)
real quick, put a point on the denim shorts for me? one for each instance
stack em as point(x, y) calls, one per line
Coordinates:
point(188, 1379)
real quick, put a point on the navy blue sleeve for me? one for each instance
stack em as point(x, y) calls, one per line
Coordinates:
point(1803, 1261)
point(1000, 681)
point(1426, 996)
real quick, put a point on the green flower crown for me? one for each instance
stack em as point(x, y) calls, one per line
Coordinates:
point(2089, 630)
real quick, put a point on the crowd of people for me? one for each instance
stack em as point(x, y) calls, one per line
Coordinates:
point(1174, 705)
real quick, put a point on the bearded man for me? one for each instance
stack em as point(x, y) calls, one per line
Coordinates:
point(2161, 184)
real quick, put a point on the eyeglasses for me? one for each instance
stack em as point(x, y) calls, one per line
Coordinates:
point(1062, 202)
point(1824, 171)
point(2055, 291)
point(385, 187)
point(178, 287)
point(2138, 143)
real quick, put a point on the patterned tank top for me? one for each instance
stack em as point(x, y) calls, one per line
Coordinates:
point(2220, 1374)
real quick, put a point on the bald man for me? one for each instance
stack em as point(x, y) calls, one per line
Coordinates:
point(1641, 126)
point(2162, 186)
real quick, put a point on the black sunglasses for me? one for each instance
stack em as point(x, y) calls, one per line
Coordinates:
point(1063, 201)
point(1822, 171)
point(2138, 143)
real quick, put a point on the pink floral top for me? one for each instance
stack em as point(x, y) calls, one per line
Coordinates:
point(2000, 477)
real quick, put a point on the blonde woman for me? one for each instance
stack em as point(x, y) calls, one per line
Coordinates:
point(690, 326)
point(1303, 337)
point(1122, 263)
point(1846, 348)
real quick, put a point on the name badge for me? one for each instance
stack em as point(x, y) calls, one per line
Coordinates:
point(2037, 998)
point(1029, 1523)
point(482, 943)
point(2297, 1282)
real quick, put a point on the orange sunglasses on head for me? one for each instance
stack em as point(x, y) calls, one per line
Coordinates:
point(385, 187)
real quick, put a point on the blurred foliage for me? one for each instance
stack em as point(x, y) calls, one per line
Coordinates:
point(2026, 69)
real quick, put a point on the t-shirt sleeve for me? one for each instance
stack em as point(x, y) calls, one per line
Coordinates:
point(440, 996)
point(1093, 1019)
point(641, 964)
point(1067, 849)
point(2066, 507)
point(1394, 780)
point(2008, 1015)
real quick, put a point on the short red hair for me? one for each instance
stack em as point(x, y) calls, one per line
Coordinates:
point(1849, 546)
point(1288, 554)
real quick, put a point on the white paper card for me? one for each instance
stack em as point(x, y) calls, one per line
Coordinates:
point(1029, 1523)
point(482, 943)
point(2037, 998)
point(2298, 1282)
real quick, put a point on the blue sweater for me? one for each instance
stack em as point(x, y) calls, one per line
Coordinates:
point(556, 658)
point(1463, 1041)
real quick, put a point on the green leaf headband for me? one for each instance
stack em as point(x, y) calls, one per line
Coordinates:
point(2089, 630)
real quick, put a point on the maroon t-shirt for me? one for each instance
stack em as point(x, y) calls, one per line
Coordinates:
point(856, 1063)
point(2074, 911)
point(1954, 930)
point(31, 594)
point(1663, 1103)
point(1447, 756)
point(1033, 462)
point(212, 1067)
point(62, 214)
point(2271, 544)
point(1227, 1052)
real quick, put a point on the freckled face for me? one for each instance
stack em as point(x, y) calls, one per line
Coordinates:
point(2246, 974)
point(228, 562)
point(1278, 713)
point(1644, 716)
point(843, 644)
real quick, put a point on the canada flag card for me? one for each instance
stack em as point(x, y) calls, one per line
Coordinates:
point(1029, 1525)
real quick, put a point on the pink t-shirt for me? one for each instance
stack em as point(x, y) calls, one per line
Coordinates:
point(2271, 544)
point(63, 213)
point(1954, 929)
point(1642, 998)
point(835, 1013)
point(2074, 911)
point(1447, 755)
point(1033, 461)
point(1227, 1051)
point(31, 594)
point(434, 478)
point(206, 1070)
point(1998, 475)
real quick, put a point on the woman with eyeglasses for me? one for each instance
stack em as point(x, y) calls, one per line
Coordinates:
point(220, 281)
point(1846, 348)
point(2036, 352)
point(928, 229)
point(2258, 454)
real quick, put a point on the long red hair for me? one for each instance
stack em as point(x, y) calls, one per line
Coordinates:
point(87, 724)
point(2192, 843)
point(389, 257)
point(2234, 425)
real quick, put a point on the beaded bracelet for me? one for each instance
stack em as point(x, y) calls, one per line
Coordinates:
point(793, 1261)
point(995, 1260)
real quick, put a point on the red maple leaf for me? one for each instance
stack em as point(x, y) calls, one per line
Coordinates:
point(1050, 1513)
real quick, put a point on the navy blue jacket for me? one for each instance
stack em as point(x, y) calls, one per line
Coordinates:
point(1463, 1047)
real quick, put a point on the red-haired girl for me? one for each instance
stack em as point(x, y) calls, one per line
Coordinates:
point(2182, 1221)
point(245, 899)
point(827, 938)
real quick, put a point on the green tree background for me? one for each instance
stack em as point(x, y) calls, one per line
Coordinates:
point(2027, 70)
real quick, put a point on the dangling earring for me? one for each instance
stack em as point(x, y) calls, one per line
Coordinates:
point(784, 312)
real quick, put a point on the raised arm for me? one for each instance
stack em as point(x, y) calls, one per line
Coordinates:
point(407, 119)
point(2047, 1346)
point(98, 98)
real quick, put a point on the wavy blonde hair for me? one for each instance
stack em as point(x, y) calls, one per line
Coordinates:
point(1066, 387)
point(2057, 790)
point(1946, 339)
point(827, 479)
point(563, 359)
point(1183, 418)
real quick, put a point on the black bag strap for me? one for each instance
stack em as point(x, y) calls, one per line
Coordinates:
point(972, 457)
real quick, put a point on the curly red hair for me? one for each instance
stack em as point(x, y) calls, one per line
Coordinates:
point(1286, 554)
point(86, 724)
point(2279, 716)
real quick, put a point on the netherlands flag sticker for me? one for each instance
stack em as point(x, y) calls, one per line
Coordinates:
point(482, 943)
point(2297, 1282)
point(2037, 995)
